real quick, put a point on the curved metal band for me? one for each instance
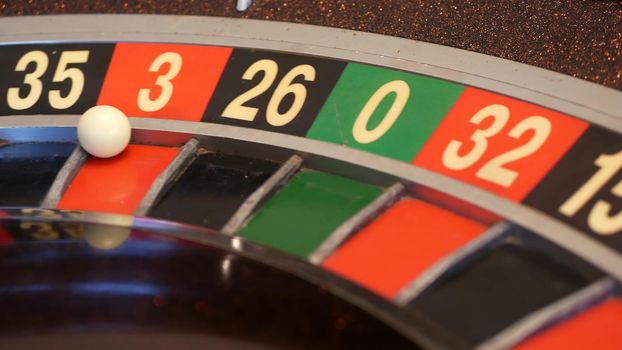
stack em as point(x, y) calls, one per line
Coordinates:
point(586, 100)
point(345, 161)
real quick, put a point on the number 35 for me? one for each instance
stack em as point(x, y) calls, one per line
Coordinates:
point(33, 80)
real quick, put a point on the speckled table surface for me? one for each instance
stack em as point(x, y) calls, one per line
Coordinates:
point(576, 37)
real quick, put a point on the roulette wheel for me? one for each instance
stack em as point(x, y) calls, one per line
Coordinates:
point(297, 186)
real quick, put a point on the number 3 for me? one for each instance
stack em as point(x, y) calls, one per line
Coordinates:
point(493, 171)
point(40, 59)
point(145, 103)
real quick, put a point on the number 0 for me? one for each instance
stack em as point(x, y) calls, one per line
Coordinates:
point(359, 130)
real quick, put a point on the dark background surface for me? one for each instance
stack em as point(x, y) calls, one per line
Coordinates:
point(577, 37)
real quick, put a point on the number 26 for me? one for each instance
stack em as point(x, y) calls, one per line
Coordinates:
point(237, 110)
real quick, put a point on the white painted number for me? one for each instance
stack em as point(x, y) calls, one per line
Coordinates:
point(599, 218)
point(359, 130)
point(286, 87)
point(40, 60)
point(237, 110)
point(62, 73)
point(494, 171)
point(74, 74)
point(174, 60)
point(452, 158)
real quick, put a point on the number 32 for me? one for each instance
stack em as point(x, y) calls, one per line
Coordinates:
point(494, 170)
